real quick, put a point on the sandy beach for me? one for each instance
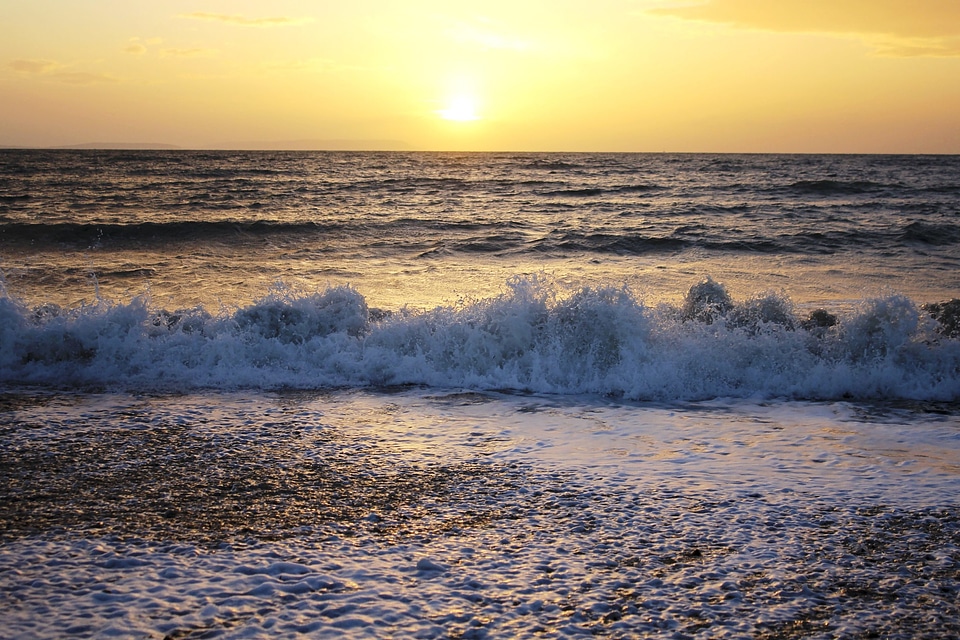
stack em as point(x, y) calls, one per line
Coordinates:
point(403, 514)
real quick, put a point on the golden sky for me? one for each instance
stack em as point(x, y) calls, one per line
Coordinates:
point(524, 75)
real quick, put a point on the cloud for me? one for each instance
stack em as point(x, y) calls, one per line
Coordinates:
point(485, 36)
point(81, 77)
point(34, 67)
point(186, 53)
point(244, 21)
point(52, 70)
point(492, 36)
point(317, 65)
point(944, 48)
point(938, 48)
point(895, 27)
point(138, 46)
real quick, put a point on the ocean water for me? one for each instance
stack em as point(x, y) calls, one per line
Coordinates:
point(426, 229)
point(435, 394)
point(651, 277)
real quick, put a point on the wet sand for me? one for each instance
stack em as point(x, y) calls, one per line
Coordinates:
point(135, 524)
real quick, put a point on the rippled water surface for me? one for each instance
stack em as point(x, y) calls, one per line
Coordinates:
point(421, 229)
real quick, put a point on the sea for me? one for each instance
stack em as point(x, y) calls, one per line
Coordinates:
point(511, 361)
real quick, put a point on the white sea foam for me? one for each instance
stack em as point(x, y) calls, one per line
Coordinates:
point(534, 337)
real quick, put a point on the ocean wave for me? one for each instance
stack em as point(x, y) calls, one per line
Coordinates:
point(81, 234)
point(476, 236)
point(617, 243)
point(606, 190)
point(574, 192)
point(536, 337)
point(839, 187)
point(931, 233)
point(84, 235)
point(628, 243)
point(541, 164)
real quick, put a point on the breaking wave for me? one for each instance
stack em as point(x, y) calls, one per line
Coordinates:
point(534, 337)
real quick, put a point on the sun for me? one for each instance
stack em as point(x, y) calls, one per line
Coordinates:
point(460, 108)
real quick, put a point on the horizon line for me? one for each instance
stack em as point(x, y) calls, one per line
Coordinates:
point(366, 147)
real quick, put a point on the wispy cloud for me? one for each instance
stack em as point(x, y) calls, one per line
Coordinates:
point(82, 77)
point(485, 36)
point(912, 48)
point(316, 65)
point(893, 27)
point(244, 21)
point(53, 70)
point(34, 67)
point(493, 36)
point(187, 53)
point(138, 46)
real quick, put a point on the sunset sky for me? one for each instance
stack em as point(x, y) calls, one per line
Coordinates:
point(520, 75)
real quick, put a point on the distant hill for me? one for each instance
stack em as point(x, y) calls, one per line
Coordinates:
point(315, 145)
point(243, 145)
point(118, 145)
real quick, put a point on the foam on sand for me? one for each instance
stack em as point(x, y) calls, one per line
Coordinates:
point(412, 514)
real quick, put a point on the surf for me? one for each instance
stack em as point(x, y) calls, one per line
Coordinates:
point(536, 336)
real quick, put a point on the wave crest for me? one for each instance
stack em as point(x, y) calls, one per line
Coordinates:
point(534, 337)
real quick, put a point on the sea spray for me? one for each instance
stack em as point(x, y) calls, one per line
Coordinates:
point(533, 337)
